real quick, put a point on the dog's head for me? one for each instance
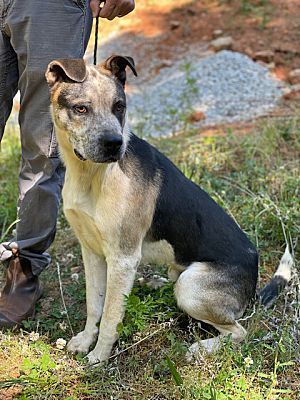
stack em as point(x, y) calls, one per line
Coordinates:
point(89, 106)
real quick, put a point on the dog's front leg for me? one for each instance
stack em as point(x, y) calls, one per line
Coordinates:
point(120, 277)
point(95, 277)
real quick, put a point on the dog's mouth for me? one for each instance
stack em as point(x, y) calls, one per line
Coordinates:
point(78, 155)
point(107, 159)
point(110, 159)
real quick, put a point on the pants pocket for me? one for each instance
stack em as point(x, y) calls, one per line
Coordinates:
point(5, 8)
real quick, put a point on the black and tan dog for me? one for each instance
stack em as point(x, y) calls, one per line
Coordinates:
point(128, 203)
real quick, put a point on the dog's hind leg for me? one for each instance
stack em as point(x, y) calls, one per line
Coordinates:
point(207, 295)
point(236, 332)
point(95, 276)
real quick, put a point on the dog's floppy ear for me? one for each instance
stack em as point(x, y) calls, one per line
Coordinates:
point(66, 69)
point(117, 66)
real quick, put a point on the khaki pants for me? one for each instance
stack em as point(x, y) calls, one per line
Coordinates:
point(33, 33)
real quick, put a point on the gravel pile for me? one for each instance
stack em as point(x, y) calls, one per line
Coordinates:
point(226, 87)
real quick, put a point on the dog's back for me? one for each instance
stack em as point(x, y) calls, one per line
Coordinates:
point(210, 235)
point(196, 227)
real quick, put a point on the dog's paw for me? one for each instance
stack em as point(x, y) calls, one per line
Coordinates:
point(81, 342)
point(212, 345)
point(193, 352)
point(197, 350)
point(94, 358)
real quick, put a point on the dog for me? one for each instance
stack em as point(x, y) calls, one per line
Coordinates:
point(127, 203)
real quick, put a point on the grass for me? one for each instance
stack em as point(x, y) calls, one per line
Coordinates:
point(259, 9)
point(255, 177)
point(9, 162)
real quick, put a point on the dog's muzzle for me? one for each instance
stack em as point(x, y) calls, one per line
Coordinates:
point(108, 149)
point(110, 146)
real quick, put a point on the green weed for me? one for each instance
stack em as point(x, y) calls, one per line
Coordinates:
point(10, 157)
point(255, 177)
point(259, 8)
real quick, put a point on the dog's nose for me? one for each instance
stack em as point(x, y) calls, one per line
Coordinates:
point(112, 143)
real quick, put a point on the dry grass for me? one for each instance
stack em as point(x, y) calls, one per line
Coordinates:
point(255, 177)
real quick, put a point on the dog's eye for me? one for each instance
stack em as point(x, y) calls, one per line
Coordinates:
point(80, 109)
point(119, 107)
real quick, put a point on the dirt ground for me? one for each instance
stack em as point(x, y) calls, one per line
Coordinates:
point(160, 30)
point(254, 25)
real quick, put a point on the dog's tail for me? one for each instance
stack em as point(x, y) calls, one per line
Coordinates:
point(279, 280)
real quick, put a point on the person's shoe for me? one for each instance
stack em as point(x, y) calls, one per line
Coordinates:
point(21, 291)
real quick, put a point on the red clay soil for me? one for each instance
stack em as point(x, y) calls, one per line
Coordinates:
point(254, 25)
point(258, 25)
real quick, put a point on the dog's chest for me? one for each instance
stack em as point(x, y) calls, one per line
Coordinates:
point(94, 211)
point(82, 211)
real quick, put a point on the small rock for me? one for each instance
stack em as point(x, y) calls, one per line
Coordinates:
point(156, 282)
point(262, 63)
point(292, 93)
point(142, 281)
point(267, 56)
point(186, 31)
point(294, 76)
point(206, 53)
point(286, 90)
point(163, 64)
point(222, 43)
point(292, 88)
point(174, 25)
point(77, 269)
point(34, 336)
point(270, 66)
point(61, 343)
point(286, 48)
point(249, 52)
point(46, 303)
point(63, 326)
point(75, 277)
point(196, 116)
point(217, 33)
point(190, 11)
point(70, 256)
point(166, 63)
point(280, 72)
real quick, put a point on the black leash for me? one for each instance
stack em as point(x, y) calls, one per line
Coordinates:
point(96, 40)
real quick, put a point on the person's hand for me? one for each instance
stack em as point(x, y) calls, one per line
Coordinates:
point(7, 250)
point(111, 8)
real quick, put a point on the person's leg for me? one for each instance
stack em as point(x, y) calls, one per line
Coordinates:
point(8, 80)
point(40, 32)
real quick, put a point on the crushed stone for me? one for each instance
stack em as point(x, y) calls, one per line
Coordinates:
point(227, 87)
